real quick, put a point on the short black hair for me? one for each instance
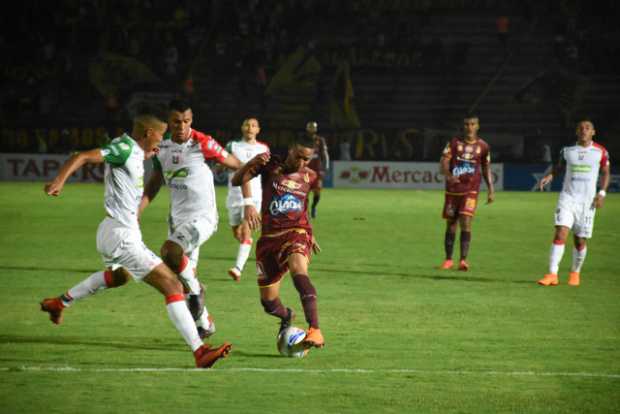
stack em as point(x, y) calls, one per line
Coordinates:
point(303, 141)
point(179, 105)
point(472, 115)
point(152, 111)
point(581, 119)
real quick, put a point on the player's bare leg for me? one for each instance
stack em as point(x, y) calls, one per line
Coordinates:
point(298, 267)
point(166, 282)
point(270, 299)
point(97, 281)
point(448, 244)
point(243, 234)
point(175, 258)
point(579, 256)
point(555, 256)
point(465, 239)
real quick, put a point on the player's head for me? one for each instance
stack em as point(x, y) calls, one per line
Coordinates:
point(312, 128)
point(250, 128)
point(585, 130)
point(471, 125)
point(149, 127)
point(300, 153)
point(180, 119)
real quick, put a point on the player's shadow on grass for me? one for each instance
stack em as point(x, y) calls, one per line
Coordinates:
point(144, 344)
point(462, 277)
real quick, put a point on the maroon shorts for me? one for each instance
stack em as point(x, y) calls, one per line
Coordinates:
point(273, 250)
point(459, 204)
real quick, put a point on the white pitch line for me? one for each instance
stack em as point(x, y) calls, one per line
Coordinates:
point(323, 371)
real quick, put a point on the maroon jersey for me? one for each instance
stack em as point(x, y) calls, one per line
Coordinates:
point(465, 162)
point(285, 197)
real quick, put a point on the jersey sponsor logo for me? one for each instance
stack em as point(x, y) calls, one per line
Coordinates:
point(284, 204)
point(180, 173)
point(291, 184)
point(462, 168)
point(581, 168)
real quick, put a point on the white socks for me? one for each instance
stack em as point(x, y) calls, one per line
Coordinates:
point(183, 321)
point(555, 257)
point(243, 253)
point(579, 256)
point(186, 272)
point(86, 287)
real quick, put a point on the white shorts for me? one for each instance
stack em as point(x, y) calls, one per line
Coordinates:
point(579, 217)
point(235, 213)
point(191, 234)
point(121, 246)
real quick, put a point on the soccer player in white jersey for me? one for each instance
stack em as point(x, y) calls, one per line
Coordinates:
point(578, 199)
point(244, 149)
point(180, 165)
point(119, 239)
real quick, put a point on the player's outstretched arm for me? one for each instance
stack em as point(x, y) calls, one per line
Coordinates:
point(231, 162)
point(74, 163)
point(250, 169)
point(153, 185)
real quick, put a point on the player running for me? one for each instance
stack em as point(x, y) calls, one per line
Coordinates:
point(463, 162)
point(578, 199)
point(181, 166)
point(286, 241)
point(119, 239)
point(244, 149)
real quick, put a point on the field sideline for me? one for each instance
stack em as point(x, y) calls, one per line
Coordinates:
point(402, 336)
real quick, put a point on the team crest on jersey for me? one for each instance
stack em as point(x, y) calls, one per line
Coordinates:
point(176, 159)
point(459, 148)
point(478, 150)
point(291, 184)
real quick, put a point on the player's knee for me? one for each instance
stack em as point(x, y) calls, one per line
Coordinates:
point(117, 277)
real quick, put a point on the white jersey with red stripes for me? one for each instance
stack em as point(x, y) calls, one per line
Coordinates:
point(186, 173)
point(582, 165)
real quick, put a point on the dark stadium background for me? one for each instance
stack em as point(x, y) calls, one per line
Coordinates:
point(395, 77)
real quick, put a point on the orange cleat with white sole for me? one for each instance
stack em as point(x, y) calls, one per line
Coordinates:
point(573, 279)
point(54, 307)
point(314, 338)
point(234, 273)
point(447, 264)
point(206, 356)
point(463, 266)
point(550, 279)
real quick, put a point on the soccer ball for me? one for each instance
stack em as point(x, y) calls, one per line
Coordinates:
point(290, 342)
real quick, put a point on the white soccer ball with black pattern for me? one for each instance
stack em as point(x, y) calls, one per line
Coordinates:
point(290, 342)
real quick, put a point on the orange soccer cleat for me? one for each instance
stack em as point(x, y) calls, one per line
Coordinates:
point(314, 337)
point(447, 264)
point(573, 278)
point(463, 265)
point(206, 356)
point(550, 279)
point(54, 307)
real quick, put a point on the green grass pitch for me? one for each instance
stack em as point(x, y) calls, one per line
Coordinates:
point(402, 336)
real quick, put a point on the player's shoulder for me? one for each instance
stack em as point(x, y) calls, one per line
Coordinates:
point(599, 147)
point(201, 136)
point(262, 145)
point(483, 143)
point(310, 173)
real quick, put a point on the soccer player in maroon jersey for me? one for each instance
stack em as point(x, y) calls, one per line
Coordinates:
point(463, 162)
point(286, 241)
point(319, 162)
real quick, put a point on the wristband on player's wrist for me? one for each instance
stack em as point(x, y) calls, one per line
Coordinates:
point(248, 202)
point(602, 193)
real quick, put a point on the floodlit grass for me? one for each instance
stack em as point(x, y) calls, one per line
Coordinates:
point(402, 336)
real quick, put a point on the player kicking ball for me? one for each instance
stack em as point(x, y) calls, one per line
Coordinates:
point(286, 242)
point(578, 201)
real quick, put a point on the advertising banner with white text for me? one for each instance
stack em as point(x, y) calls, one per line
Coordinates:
point(388, 174)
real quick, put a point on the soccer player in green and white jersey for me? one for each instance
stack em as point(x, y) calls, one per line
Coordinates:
point(239, 217)
point(119, 239)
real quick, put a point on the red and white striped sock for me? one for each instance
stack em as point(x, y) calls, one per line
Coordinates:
point(88, 287)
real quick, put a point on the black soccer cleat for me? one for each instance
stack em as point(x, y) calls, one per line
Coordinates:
point(286, 322)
